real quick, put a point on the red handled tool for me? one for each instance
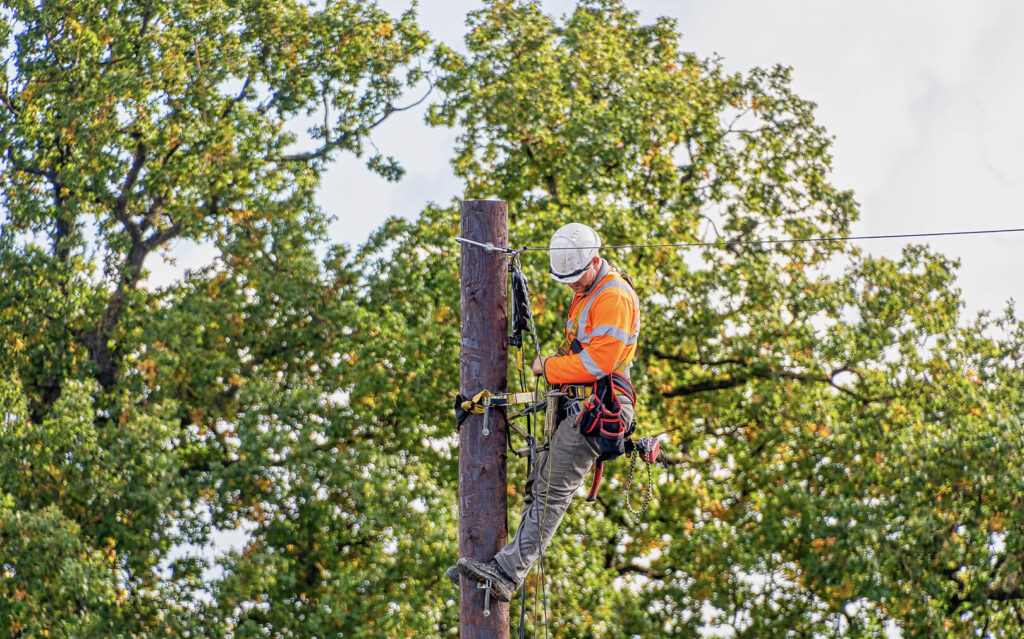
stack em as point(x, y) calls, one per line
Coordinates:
point(598, 471)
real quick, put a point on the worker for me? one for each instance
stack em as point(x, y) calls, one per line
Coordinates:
point(600, 341)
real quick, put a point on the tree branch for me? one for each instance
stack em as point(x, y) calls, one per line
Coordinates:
point(18, 165)
point(734, 381)
point(345, 137)
point(241, 96)
point(699, 360)
point(120, 210)
point(709, 385)
point(96, 340)
point(646, 571)
point(7, 102)
point(1009, 589)
point(337, 143)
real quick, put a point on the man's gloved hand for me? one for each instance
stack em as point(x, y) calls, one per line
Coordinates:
point(464, 407)
point(538, 365)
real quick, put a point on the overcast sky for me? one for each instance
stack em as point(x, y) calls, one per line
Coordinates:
point(923, 98)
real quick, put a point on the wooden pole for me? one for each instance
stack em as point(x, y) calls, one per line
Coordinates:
point(483, 364)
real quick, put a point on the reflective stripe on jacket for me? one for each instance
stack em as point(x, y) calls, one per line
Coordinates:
point(601, 334)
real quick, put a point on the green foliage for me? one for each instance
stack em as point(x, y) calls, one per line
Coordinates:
point(843, 446)
point(139, 422)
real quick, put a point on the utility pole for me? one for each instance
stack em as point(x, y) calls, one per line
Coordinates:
point(483, 364)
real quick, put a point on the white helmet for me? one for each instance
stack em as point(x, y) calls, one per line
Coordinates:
point(573, 247)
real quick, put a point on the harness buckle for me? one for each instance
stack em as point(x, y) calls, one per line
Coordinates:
point(573, 408)
point(577, 391)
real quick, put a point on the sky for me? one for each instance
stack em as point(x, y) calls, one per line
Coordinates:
point(922, 97)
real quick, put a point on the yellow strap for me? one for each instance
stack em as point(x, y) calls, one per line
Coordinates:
point(476, 405)
point(524, 398)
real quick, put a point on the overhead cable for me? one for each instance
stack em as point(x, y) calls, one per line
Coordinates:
point(491, 248)
point(848, 238)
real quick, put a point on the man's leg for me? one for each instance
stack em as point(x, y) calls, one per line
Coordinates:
point(558, 474)
point(483, 571)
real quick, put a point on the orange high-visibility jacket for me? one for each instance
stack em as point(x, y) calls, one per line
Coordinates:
point(601, 334)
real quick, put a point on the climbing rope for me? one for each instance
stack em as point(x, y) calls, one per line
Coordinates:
point(522, 321)
point(647, 449)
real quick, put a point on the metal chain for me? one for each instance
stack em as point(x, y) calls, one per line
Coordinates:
point(629, 485)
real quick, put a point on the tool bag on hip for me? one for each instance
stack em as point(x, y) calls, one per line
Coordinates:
point(602, 416)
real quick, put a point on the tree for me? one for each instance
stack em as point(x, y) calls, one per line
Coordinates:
point(138, 421)
point(834, 427)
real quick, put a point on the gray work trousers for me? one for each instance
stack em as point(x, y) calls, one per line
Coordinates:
point(559, 471)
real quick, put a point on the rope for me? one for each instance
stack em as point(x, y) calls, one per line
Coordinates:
point(515, 265)
point(540, 542)
point(850, 238)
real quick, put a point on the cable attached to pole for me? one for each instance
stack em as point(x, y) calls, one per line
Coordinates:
point(490, 248)
point(811, 240)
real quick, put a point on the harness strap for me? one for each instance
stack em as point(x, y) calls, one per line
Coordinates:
point(620, 383)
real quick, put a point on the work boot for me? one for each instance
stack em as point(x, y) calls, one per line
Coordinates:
point(453, 574)
point(502, 586)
